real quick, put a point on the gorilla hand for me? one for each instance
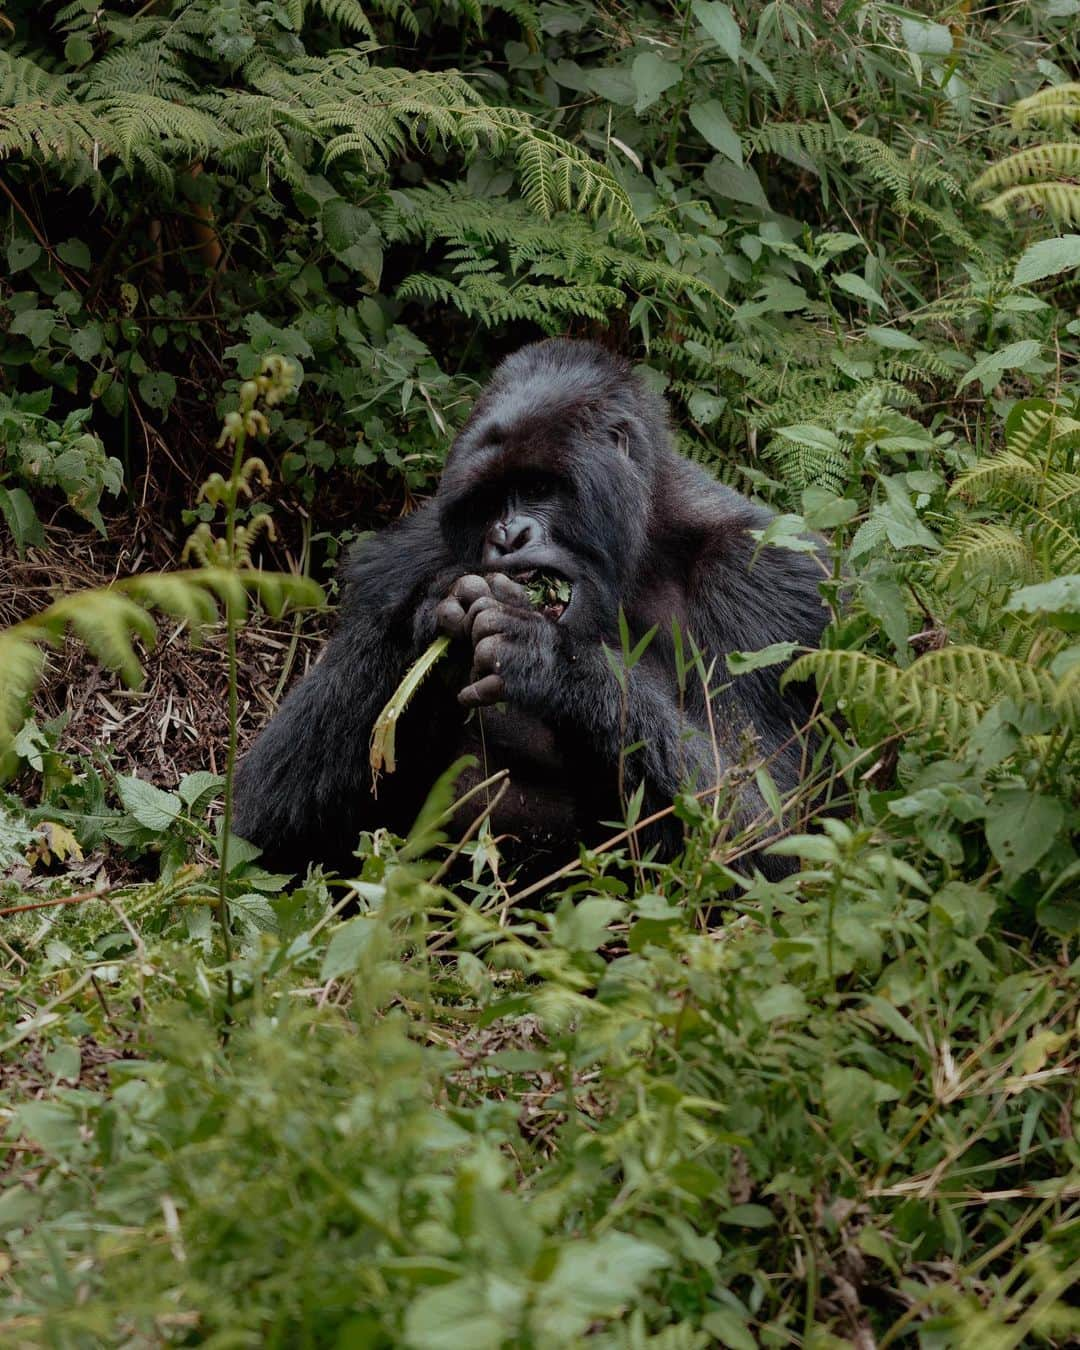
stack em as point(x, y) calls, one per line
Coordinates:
point(512, 643)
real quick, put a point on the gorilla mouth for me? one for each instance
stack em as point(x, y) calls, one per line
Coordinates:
point(548, 591)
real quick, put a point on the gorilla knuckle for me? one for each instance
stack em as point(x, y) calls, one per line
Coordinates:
point(487, 655)
point(483, 692)
point(450, 618)
point(508, 592)
point(468, 589)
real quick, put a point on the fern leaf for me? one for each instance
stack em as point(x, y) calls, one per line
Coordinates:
point(1056, 106)
point(1057, 159)
point(1059, 201)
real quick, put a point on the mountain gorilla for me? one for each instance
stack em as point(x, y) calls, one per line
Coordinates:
point(566, 469)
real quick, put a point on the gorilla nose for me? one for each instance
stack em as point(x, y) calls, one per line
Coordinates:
point(510, 536)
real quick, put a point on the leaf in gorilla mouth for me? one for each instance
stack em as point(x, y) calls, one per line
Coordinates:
point(547, 592)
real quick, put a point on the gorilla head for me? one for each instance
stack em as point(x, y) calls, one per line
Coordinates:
point(562, 439)
point(565, 467)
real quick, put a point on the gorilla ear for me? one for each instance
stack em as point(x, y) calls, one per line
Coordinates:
point(622, 440)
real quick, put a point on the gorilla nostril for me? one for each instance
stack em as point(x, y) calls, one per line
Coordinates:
point(521, 532)
point(510, 536)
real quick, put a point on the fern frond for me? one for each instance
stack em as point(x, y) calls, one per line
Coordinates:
point(986, 552)
point(848, 676)
point(348, 13)
point(1057, 106)
point(1058, 159)
point(1059, 201)
point(1003, 471)
point(106, 620)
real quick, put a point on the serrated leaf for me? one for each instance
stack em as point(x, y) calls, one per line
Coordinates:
point(991, 365)
point(1047, 258)
point(855, 285)
point(151, 806)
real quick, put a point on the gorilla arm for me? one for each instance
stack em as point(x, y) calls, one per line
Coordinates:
point(303, 791)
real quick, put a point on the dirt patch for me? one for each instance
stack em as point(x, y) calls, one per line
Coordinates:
point(176, 722)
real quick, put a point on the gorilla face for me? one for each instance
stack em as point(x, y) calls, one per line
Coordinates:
point(541, 477)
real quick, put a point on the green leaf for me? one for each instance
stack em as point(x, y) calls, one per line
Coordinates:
point(747, 1216)
point(18, 511)
point(738, 183)
point(862, 290)
point(924, 38)
point(1058, 600)
point(152, 807)
point(824, 510)
point(87, 342)
point(740, 663)
point(346, 947)
point(721, 25)
point(78, 49)
point(710, 119)
point(198, 788)
point(652, 75)
point(1047, 258)
point(990, 366)
point(454, 1315)
point(614, 83)
point(805, 433)
point(22, 253)
point(782, 1000)
point(35, 324)
point(157, 389)
point(255, 912)
point(893, 339)
point(1020, 827)
point(729, 1329)
point(583, 927)
point(75, 252)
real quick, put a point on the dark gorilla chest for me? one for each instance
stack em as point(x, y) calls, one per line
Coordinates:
point(543, 807)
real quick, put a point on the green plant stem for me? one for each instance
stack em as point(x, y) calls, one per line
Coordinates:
point(230, 754)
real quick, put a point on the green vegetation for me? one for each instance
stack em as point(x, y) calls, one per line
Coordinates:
point(648, 1105)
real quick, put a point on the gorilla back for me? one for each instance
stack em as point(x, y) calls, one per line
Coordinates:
point(564, 470)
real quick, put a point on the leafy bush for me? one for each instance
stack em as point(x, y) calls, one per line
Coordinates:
point(642, 1105)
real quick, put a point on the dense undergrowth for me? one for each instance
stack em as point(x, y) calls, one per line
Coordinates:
point(651, 1105)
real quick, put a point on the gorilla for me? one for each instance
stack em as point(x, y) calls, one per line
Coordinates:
point(565, 469)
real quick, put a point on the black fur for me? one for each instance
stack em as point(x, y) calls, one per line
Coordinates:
point(566, 465)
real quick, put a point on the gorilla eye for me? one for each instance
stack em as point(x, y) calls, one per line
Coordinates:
point(535, 487)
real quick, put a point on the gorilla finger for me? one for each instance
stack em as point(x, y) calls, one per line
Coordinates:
point(487, 623)
point(483, 693)
point(450, 618)
point(469, 589)
point(487, 655)
point(508, 592)
point(486, 604)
